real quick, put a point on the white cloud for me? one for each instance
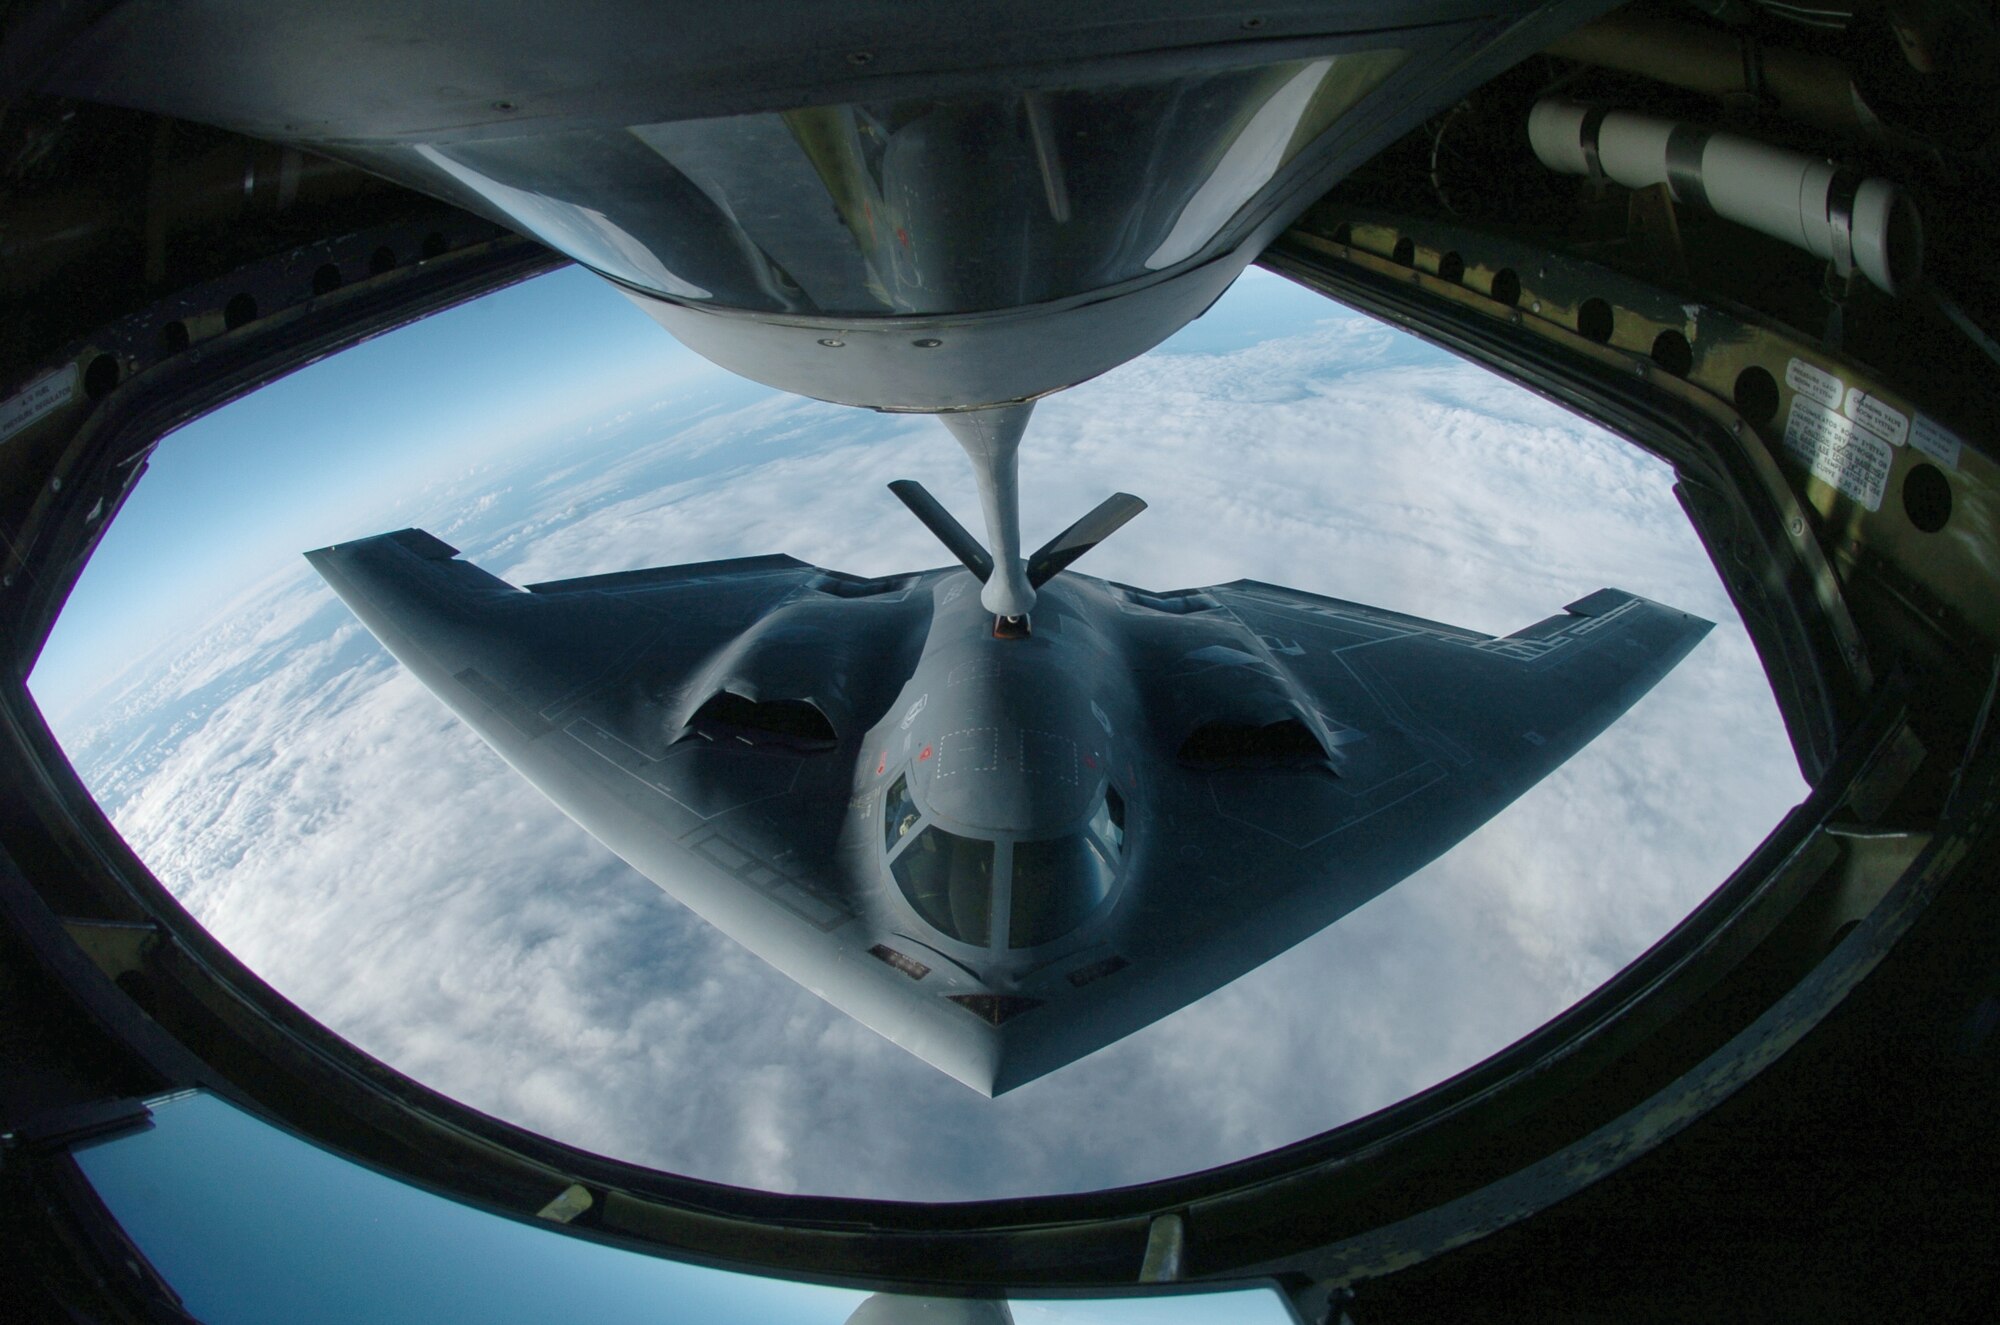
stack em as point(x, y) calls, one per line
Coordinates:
point(351, 841)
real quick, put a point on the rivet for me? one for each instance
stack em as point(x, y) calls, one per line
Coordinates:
point(1796, 525)
point(55, 485)
point(503, 105)
point(831, 343)
point(927, 343)
point(1536, 306)
point(858, 58)
point(1252, 24)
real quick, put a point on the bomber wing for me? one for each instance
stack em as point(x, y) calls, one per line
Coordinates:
point(702, 721)
point(1479, 719)
point(1313, 753)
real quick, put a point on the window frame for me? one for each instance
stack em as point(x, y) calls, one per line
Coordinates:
point(1000, 916)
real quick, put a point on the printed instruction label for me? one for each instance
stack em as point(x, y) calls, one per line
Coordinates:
point(1936, 441)
point(1816, 383)
point(1884, 420)
point(51, 391)
point(1839, 452)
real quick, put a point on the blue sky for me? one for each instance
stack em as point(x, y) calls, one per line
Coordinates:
point(235, 495)
point(327, 452)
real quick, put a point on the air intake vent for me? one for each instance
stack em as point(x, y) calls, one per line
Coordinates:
point(1084, 975)
point(854, 586)
point(909, 966)
point(787, 724)
point(1180, 604)
point(994, 1008)
point(1286, 744)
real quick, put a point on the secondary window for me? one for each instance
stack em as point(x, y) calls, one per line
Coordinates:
point(1056, 884)
point(899, 814)
point(949, 880)
point(1109, 822)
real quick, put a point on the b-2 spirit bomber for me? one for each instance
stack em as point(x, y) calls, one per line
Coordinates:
point(1002, 815)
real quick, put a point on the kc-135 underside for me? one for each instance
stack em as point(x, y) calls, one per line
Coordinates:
point(1003, 840)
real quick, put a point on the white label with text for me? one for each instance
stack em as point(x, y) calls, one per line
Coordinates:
point(1884, 420)
point(1816, 383)
point(51, 391)
point(1850, 458)
point(1936, 441)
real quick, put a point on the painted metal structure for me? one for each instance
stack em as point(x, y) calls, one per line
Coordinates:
point(1783, 1108)
point(1003, 851)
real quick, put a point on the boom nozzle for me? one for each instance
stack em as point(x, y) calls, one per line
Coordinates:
point(992, 440)
point(1049, 560)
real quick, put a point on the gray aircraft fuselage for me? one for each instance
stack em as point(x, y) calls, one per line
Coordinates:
point(1013, 740)
point(1003, 845)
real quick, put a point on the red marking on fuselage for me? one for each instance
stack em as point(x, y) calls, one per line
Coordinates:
point(881, 763)
point(923, 754)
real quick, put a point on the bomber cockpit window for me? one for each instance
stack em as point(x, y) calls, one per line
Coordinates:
point(1056, 884)
point(899, 814)
point(1109, 822)
point(949, 880)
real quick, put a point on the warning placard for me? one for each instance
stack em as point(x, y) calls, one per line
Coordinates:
point(1809, 379)
point(1839, 452)
point(1936, 441)
point(1878, 416)
point(48, 392)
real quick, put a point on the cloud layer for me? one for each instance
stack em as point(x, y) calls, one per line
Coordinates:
point(332, 824)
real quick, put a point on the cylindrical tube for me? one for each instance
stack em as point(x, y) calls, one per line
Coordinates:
point(1811, 89)
point(1868, 224)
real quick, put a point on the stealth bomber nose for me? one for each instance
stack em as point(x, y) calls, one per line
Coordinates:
point(1011, 752)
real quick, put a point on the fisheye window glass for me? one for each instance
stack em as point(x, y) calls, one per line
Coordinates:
point(949, 880)
point(899, 814)
point(237, 1217)
point(1056, 884)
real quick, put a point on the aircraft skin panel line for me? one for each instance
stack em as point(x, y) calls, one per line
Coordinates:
point(1003, 852)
